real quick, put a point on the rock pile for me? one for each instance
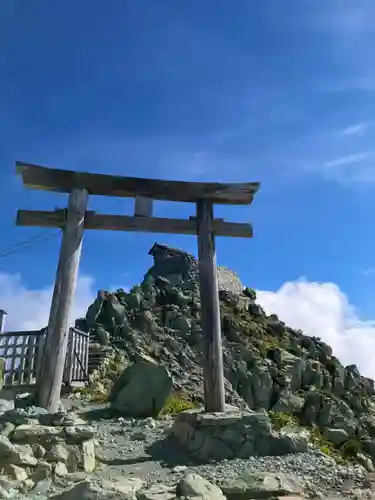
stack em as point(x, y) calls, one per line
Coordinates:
point(36, 446)
point(213, 437)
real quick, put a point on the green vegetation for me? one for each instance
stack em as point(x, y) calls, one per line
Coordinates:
point(280, 419)
point(350, 449)
point(251, 293)
point(176, 403)
point(346, 452)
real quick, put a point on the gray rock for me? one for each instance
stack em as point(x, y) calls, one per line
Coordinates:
point(218, 436)
point(16, 472)
point(328, 411)
point(312, 374)
point(180, 323)
point(366, 462)
point(4, 494)
point(181, 269)
point(79, 433)
point(259, 388)
point(134, 298)
point(195, 486)
point(261, 485)
point(16, 454)
point(107, 490)
point(60, 469)
point(58, 453)
point(41, 471)
point(288, 402)
point(157, 492)
point(336, 436)
point(102, 335)
point(38, 450)
point(88, 455)
point(139, 436)
point(6, 404)
point(6, 428)
point(37, 433)
point(142, 389)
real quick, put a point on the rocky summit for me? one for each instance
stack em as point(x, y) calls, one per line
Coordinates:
point(297, 423)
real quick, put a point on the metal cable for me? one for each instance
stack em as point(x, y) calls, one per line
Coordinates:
point(26, 244)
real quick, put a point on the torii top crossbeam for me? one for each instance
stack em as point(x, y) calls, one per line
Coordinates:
point(63, 181)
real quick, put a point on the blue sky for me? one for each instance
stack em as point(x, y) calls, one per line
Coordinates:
point(276, 92)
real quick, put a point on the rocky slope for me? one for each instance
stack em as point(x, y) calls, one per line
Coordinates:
point(268, 366)
point(148, 342)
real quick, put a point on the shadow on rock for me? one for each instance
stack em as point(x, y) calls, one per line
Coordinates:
point(168, 452)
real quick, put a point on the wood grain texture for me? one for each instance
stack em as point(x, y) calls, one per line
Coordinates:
point(49, 385)
point(143, 207)
point(210, 310)
point(44, 218)
point(50, 179)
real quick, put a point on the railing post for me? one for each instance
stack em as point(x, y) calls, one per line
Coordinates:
point(3, 316)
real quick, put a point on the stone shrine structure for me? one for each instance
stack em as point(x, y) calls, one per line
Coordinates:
point(181, 269)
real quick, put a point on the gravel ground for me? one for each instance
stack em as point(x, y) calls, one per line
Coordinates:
point(142, 449)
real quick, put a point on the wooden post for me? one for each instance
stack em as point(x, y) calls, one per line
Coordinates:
point(49, 386)
point(3, 315)
point(210, 310)
point(143, 207)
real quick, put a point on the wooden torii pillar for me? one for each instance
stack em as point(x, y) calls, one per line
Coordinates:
point(76, 218)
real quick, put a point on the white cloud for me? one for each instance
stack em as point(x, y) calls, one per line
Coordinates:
point(355, 129)
point(319, 309)
point(323, 310)
point(347, 160)
point(350, 26)
point(29, 309)
point(352, 170)
point(370, 271)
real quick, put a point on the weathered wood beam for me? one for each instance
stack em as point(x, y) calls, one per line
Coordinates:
point(143, 207)
point(45, 218)
point(51, 377)
point(213, 371)
point(49, 179)
point(193, 217)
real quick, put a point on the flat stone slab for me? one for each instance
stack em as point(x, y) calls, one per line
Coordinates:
point(262, 485)
point(232, 434)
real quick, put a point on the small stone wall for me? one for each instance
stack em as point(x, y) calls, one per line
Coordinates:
point(232, 434)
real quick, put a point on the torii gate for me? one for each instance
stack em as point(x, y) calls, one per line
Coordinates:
point(76, 218)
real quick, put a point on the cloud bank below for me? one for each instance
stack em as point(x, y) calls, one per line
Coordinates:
point(319, 309)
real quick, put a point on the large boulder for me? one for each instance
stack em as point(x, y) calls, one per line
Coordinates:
point(142, 389)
